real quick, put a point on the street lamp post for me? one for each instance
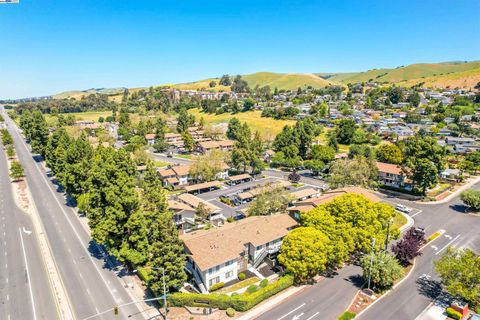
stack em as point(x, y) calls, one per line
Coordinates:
point(388, 233)
point(371, 262)
point(164, 287)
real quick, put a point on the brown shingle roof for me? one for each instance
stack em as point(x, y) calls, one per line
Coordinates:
point(309, 192)
point(166, 173)
point(216, 144)
point(239, 177)
point(181, 170)
point(330, 195)
point(209, 248)
point(389, 168)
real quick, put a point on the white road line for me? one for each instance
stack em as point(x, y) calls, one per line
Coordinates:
point(8, 297)
point(286, 315)
point(313, 316)
point(28, 275)
point(447, 245)
point(413, 215)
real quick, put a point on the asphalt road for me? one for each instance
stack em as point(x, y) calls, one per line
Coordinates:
point(25, 291)
point(325, 300)
point(91, 283)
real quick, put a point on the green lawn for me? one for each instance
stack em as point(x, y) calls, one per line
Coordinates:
point(399, 220)
point(267, 127)
point(239, 285)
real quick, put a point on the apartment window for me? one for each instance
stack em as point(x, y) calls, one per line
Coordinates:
point(229, 263)
point(217, 268)
point(229, 274)
point(213, 281)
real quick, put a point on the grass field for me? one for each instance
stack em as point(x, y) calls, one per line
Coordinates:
point(267, 127)
point(87, 116)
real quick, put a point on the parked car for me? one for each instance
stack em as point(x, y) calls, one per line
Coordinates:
point(402, 208)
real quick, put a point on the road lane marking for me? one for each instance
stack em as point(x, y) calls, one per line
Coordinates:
point(8, 297)
point(447, 245)
point(27, 231)
point(292, 311)
point(295, 317)
point(313, 316)
point(413, 215)
point(28, 275)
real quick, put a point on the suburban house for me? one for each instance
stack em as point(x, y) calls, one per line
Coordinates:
point(391, 175)
point(451, 174)
point(150, 137)
point(219, 255)
point(304, 194)
point(168, 177)
point(205, 146)
point(452, 141)
point(183, 215)
point(174, 139)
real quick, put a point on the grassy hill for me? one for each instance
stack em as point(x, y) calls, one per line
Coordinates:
point(275, 80)
point(433, 74)
point(77, 94)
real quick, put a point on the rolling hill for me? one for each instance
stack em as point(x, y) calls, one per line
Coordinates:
point(432, 74)
point(442, 75)
point(288, 81)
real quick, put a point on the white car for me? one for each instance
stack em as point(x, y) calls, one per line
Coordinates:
point(402, 208)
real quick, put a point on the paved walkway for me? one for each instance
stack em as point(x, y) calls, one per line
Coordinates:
point(448, 198)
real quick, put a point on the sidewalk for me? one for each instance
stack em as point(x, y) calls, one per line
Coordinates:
point(269, 304)
point(448, 198)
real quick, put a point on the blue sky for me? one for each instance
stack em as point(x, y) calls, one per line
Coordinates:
point(51, 46)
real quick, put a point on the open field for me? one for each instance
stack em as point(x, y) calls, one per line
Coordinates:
point(86, 116)
point(267, 127)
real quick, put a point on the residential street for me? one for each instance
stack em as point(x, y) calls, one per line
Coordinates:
point(92, 284)
point(25, 291)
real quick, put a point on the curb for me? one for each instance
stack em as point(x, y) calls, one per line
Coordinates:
point(410, 222)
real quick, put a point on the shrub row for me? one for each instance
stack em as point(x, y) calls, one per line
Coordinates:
point(241, 302)
point(216, 286)
point(454, 314)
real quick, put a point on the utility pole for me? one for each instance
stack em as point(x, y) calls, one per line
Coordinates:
point(164, 293)
point(371, 262)
point(388, 233)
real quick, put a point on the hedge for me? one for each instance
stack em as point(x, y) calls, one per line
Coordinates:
point(454, 314)
point(241, 276)
point(216, 286)
point(264, 283)
point(241, 302)
point(230, 312)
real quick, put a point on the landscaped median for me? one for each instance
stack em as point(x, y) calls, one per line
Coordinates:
point(238, 302)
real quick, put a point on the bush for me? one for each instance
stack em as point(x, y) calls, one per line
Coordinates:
point(454, 314)
point(143, 274)
point(241, 276)
point(230, 219)
point(471, 198)
point(252, 288)
point(241, 302)
point(230, 312)
point(347, 316)
point(216, 286)
point(263, 283)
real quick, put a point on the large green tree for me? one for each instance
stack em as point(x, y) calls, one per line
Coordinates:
point(354, 172)
point(304, 252)
point(389, 153)
point(460, 274)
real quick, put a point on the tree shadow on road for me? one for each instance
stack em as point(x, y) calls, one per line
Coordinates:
point(429, 288)
point(459, 208)
point(356, 279)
